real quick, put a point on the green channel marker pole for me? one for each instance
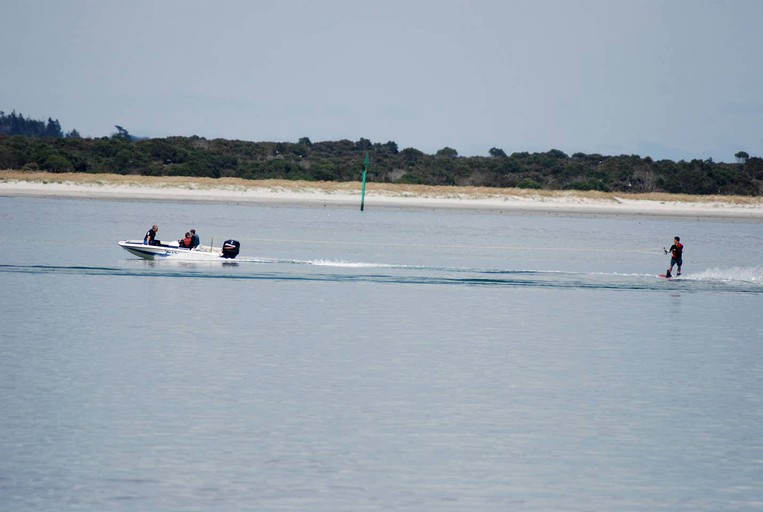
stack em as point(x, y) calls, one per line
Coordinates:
point(363, 190)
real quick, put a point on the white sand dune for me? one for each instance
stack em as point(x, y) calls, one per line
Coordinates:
point(378, 195)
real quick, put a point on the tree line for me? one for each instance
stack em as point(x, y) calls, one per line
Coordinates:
point(17, 124)
point(342, 160)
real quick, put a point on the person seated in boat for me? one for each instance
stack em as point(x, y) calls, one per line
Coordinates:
point(185, 242)
point(194, 239)
point(150, 238)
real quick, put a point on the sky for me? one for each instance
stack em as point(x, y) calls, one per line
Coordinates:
point(669, 79)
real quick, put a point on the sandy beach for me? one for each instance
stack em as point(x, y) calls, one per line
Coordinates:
point(378, 195)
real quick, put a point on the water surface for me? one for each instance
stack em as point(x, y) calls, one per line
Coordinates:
point(383, 360)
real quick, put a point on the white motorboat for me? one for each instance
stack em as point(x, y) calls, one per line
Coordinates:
point(228, 251)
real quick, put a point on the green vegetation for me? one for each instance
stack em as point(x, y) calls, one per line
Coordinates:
point(17, 124)
point(342, 160)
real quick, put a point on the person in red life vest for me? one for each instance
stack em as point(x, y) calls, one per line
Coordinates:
point(185, 242)
point(676, 256)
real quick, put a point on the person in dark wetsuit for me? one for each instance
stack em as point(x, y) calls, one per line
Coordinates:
point(150, 238)
point(194, 239)
point(676, 256)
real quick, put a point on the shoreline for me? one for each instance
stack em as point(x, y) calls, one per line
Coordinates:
point(378, 195)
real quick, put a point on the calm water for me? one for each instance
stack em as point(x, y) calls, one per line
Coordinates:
point(385, 360)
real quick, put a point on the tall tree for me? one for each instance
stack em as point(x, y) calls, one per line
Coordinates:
point(53, 129)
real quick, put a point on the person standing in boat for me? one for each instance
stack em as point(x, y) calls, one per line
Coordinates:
point(150, 238)
point(194, 239)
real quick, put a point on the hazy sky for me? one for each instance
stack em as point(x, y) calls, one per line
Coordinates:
point(677, 79)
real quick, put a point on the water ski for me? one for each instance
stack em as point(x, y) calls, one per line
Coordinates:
point(664, 276)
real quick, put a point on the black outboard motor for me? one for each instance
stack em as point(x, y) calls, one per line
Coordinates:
point(231, 248)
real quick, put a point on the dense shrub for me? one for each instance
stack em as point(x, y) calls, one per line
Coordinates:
point(343, 160)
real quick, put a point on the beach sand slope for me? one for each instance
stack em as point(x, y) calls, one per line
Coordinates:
point(116, 187)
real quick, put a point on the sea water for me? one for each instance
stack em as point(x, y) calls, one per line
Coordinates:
point(415, 360)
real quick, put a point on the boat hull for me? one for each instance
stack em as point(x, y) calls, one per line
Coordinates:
point(157, 252)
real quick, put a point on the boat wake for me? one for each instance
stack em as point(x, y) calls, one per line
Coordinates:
point(730, 280)
point(734, 274)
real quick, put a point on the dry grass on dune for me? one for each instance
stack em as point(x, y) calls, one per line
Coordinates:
point(393, 189)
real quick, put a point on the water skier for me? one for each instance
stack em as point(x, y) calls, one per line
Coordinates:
point(676, 256)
